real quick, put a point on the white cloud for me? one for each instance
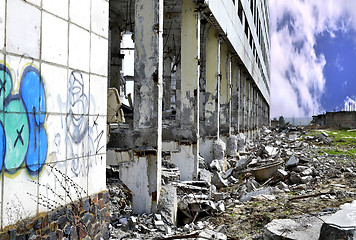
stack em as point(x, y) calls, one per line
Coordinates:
point(350, 104)
point(297, 79)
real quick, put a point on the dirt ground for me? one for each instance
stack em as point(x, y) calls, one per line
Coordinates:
point(334, 187)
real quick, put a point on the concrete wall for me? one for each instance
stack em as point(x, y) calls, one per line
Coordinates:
point(53, 76)
point(337, 119)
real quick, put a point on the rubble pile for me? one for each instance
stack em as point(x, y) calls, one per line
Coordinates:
point(275, 176)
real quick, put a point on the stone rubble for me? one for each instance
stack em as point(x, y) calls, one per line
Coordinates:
point(280, 155)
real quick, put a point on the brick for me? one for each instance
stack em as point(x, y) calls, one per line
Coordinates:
point(30, 224)
point(101, 203)
point(62, 211)
point(4, 236)
point(67, 230)
point(38, 224)
point(44, 220)
point(96, 228)
point(73, 233)
point(53, 226)
point(86, 218)
point(53, 216)
point(53, 236)
point(22, 237)
point(86, 205)
point(62, 221)
point(106, 197)
point(105, 233)
point(59, 234)
point(82, 232)
point(12, 233)
point(20, 228)
point(45, 231)
point(89, 229)
point(70, 216)
point(100, 195)
point(95, 200)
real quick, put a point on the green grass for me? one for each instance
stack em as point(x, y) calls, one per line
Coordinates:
point(344, 142)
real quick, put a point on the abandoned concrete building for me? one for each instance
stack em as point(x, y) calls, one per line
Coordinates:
point(201, 73)
point(342, 119)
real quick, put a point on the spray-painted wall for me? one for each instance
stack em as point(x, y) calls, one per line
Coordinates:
point(53, 84)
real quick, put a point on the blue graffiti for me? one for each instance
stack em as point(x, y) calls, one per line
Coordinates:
point(23, 135)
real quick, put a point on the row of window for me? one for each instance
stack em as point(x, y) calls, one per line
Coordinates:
point(259, 31)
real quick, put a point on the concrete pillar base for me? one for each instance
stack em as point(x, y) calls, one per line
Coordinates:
point(187, 160)
point(139, 172)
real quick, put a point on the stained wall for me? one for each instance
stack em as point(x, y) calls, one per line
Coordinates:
point(53, 85)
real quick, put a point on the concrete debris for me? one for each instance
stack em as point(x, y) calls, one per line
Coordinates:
point(340, 225)
point(306, 227)
point(293, 161)
point(232, 145)
point(217, 165)
point(170, 172)
point(219, 149)
point(324, 137)
point(219, 181)
point(167, 205)
point(283, 167)
point(205, 175)
point(247, 197)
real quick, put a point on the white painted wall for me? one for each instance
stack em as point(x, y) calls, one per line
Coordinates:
point(66, 46)
point(225, 12)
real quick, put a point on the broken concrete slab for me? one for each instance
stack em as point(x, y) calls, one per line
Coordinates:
point(302, 228)
point(219, 181)
point(340, 225)
point(247, 197)
point(271, 151)
point(205, 175)
point(219, 149)
point(324, 137)
point(293, 161)
point(217, 165)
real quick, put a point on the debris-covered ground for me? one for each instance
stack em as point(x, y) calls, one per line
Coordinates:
point(290, 172)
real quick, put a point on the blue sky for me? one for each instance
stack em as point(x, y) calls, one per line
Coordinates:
point(313, 56)
point(340, 68)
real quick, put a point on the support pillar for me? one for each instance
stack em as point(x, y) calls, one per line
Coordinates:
point(225, 94)
point(235, 104)
point(143, 175)
point(167, 82)
point(187, 159)
point(212, 107)
point(212, 93)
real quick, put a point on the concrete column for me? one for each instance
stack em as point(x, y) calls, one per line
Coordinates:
point(242, 101)
point(212, 93)
point(249, 119)
point(167, 82)
point(145, 173)
point(244, 81)
point(235, 105)
point(187, 159)
point(212, 82)
point(115, 60)
point(225, 94)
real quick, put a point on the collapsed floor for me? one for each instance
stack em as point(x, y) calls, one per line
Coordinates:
point(286, 175)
